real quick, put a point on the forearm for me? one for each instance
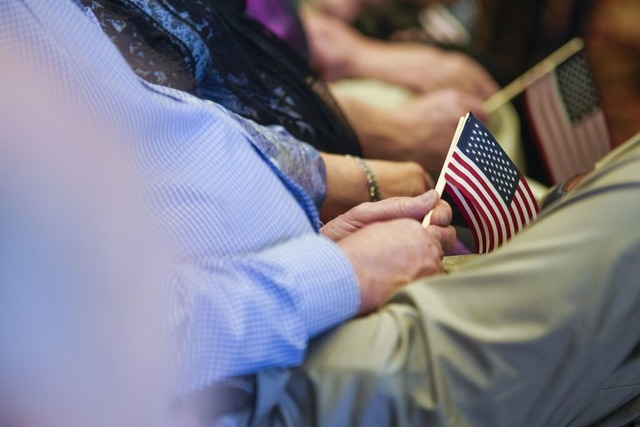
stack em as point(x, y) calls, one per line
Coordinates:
point(247, 313)
point(379, 132)
point(348, 185)
point(340, 51)
point(419, 130)
point(394, 62)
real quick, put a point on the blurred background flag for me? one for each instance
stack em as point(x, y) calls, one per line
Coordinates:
point(567, 119)
point(485, 185)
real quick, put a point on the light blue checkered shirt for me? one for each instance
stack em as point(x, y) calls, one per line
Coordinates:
point(254, 280)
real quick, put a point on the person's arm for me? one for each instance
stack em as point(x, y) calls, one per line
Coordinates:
point(339, 51)
point(245, 313)
point(401, 207)
point(387, 245)
point(345, 10)
point(242, 314)
point(542, 329)
point(419, 130)
point(348, 186)
point(336, 183)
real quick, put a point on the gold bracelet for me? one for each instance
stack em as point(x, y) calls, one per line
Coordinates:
point(374, 190)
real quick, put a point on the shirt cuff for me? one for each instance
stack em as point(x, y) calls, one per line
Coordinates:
point(328, 289)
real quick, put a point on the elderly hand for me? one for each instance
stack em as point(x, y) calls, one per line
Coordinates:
point(387, 245)
point(395, 208)
point(421, 68)
point(428, 124)
point(387, 255)
point(420, 130)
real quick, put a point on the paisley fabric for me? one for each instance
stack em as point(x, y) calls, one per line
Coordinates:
point(174, 54)
point(230, 59)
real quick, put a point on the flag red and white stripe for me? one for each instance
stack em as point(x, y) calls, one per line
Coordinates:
point(486, 186)
point(567, 119)
point(491, 220)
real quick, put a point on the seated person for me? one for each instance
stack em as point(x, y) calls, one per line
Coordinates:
point(447, 84)
point(219, 54)
point(340, 51)
point(511, 338)
point(238, 223)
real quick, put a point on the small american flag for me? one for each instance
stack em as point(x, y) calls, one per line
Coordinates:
point(486, 186)
point(567, 120)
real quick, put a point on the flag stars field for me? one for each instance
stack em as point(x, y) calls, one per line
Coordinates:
point(486, 186)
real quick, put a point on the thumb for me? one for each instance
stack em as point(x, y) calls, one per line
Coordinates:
point(417, 207)
point(384, 210)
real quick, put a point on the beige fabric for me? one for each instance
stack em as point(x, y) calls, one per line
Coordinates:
point(539, 333)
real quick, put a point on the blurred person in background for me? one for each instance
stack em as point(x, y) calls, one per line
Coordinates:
point(613, 40)
point(484, 343)
point(80, 271)
point(236, 62)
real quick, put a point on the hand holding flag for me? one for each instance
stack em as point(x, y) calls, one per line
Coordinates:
point(486, 186)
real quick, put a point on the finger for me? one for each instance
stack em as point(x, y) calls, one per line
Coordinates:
point(445, 235)
point(410, 207)
point(479, 111)
point(474, 104)
point(479, 81)
point(434, 267)
point(431, 260)
point(489, 87)
point(393, 208)
point(384, 210)
point(340, 227)
point(442, 214)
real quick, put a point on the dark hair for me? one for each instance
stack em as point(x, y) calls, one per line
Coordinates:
point(232, 60)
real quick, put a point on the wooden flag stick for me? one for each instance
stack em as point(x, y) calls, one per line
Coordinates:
point(534, 74)
point(620, 150)
point(441, 179)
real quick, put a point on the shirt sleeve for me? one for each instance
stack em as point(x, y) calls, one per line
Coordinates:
point(296, 159)
point(249, 313)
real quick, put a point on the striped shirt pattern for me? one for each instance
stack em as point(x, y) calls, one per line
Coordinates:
point(252, 281)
